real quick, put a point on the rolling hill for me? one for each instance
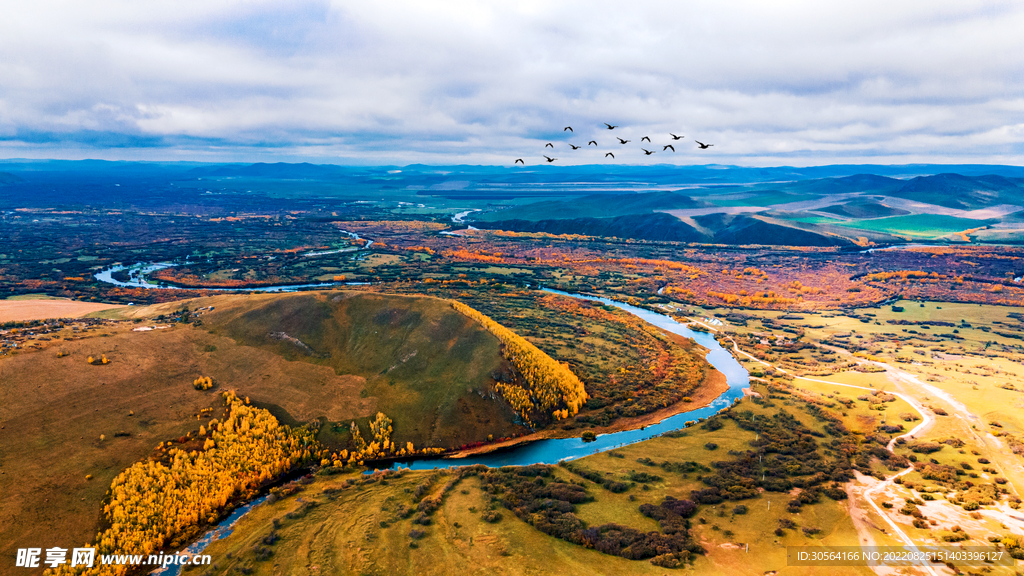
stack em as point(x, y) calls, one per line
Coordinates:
point(857, 183)
point(415, 359)
point(717, 228)
point(661, 226)
point(962, 192)
point(594, 206)
point(864, 209)
point(739, 229)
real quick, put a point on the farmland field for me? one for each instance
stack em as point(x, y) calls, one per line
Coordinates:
point(22, 309)
point(918, 225)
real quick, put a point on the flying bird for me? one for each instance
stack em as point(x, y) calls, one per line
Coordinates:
point(610, 127)
point(569, 128)
point(645, 138)
point(674, 137)
point(520, 161)
point(647, 152)
point(594, 142)
point(667, 146)
point(549, 158)
point(609, 154)
point(549, 144)
point(621, 141)
point(703, 145)
point(574, 147)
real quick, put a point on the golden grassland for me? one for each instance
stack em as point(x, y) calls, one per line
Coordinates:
point(42, 308)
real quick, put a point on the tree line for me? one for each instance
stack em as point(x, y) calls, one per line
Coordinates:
point(551, 388)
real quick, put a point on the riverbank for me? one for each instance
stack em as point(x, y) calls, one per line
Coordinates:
point(713, 386)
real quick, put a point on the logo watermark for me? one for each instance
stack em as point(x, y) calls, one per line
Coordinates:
point(897, 556)
point(87, 558)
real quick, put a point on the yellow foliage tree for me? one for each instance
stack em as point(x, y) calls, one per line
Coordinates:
point(155, 504)
point(549, 384)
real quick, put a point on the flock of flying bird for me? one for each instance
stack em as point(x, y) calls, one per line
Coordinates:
point(647, 152)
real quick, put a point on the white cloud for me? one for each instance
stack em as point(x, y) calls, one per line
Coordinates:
point(451, 82)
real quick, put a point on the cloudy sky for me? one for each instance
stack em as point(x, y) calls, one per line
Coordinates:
point(768, 83)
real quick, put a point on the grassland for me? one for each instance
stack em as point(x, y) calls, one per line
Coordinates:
point(812, 219)
point(330, 356)
point(351, 524)
point(68, 426)
point(961, 366)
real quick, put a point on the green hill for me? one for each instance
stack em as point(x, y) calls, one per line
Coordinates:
point(864, 209)
point(739, 229)
point(715, 228)
point(594, 206)
point(660, 226)
point(426, 366)
point(863, 183)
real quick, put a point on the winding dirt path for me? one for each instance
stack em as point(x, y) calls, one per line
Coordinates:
point(869, 494)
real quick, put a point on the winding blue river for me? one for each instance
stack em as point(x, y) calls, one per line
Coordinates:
point(541, 451)
point(555, 450)
point(137, 278)
point(137, 274)
point(222, 530)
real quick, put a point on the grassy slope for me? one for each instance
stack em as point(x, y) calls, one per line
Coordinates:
point(421, 363)
point(55, 409)
point(610, 350)
point(864, 209)
point(641, 226)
